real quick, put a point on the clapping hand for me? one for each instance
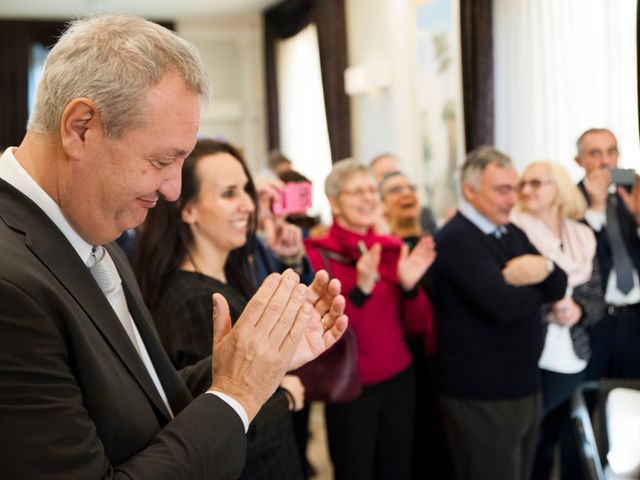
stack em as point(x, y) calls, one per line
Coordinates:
point(367, 267)
point(327, 320)
point(284, 325)
point(413, 265)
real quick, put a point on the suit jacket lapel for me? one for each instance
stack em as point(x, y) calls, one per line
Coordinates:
point(175, 389)
point(51, 247)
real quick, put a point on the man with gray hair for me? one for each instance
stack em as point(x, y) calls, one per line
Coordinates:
point(488, 286)
point(86, 390)
point(614, 217)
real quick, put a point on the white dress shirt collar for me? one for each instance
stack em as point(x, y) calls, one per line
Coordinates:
point(483, 223)
point(15, 175)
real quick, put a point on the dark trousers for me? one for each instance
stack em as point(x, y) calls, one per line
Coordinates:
point(615, 346)
point(371, 437)
point(430, 455)
point(491, 439)
point(557, 389)
point(301, 431)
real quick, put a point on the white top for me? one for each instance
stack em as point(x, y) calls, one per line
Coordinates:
point(613, 296)
point(573, 252)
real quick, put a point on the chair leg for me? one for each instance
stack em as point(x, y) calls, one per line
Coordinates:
point(583, 430)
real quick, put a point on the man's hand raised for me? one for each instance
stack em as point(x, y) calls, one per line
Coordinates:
point(327, 323)
point(283, 318)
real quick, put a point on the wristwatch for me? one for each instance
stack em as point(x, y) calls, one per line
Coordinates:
point(550, 265)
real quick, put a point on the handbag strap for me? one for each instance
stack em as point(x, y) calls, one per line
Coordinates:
point(326, 255)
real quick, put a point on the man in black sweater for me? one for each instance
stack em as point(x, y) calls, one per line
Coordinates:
point(488, 286)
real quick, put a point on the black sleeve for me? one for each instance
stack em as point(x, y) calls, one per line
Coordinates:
point(590, 297)
point(466, 262)
point(357, 297)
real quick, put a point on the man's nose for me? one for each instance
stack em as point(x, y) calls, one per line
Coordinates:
point(170, 187)
point(609, 160)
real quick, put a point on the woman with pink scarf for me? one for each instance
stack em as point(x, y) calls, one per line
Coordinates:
point(548, 211)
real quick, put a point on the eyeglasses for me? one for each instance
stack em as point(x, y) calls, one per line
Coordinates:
point(534, 183)
point(398, 189)
point(360, 192)
point(505, 190)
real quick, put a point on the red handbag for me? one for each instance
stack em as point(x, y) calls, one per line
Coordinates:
point(333, 376)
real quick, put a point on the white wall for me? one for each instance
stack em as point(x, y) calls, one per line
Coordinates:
point(382, 120)
point(232, 51)
point(379, 32)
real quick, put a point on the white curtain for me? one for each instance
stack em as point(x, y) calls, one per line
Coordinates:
point(304, 136)
point(561, 67)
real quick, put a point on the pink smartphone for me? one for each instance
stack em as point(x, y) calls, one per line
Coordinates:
point(295, 197)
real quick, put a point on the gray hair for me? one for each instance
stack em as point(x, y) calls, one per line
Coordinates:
point(342, 171)
point(113, 60)
point(480, 158)
point(581, 138)
point(379, 157)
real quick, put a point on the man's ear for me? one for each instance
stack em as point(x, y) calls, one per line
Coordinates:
point(79, 116)
point(469, 192)
point(578, 160)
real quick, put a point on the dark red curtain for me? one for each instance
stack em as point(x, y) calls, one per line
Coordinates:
point(16, 39)
point(477, 71)
point(285, 20)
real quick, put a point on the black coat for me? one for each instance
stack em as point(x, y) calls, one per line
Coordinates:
point(76, 401)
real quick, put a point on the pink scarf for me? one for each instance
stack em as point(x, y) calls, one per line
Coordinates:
point(573, 252)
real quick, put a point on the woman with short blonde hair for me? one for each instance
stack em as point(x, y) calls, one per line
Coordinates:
point(548, 210)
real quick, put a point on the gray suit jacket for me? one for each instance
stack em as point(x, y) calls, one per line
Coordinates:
point(76, 401)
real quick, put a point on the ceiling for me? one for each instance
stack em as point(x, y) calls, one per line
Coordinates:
point(157, 9)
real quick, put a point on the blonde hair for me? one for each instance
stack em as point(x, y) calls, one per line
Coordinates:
point(113, 60)
point(570, 201)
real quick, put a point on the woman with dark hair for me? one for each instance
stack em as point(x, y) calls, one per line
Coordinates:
point(200, 245)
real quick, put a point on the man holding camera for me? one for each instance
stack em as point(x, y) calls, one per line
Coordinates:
point(614, 216)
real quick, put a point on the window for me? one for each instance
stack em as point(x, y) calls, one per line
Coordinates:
point(304, 137)
point(37, 57)
point(562, 67)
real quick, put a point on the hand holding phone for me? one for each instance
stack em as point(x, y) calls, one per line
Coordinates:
point(623, 176)
point(295, 197)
